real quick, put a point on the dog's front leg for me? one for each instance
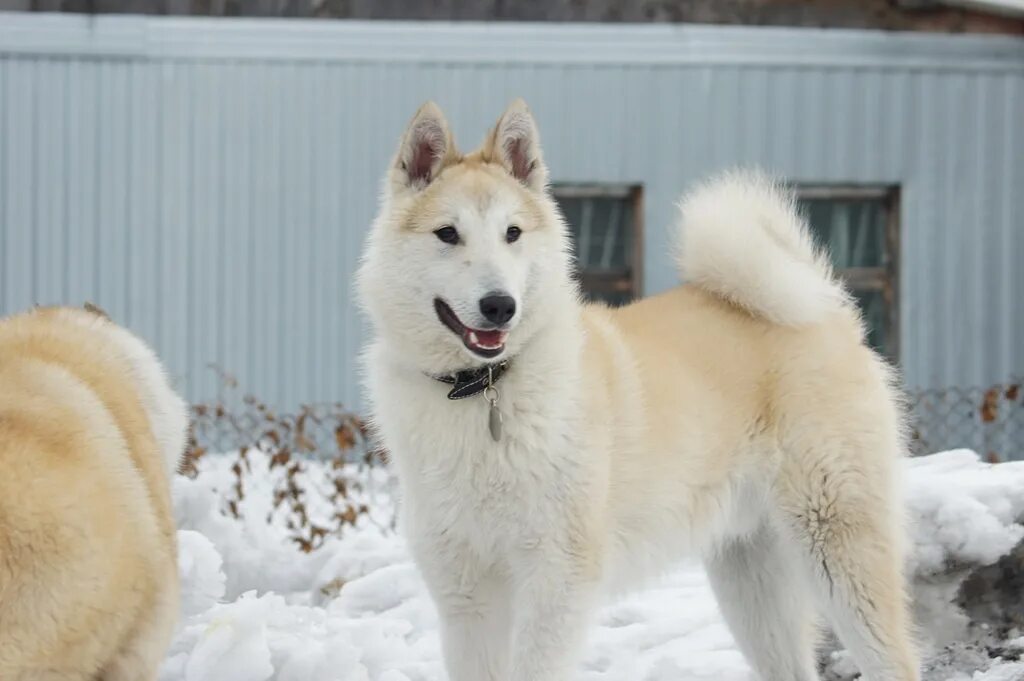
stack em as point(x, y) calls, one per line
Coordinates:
point(554, 599)
point(474, 605)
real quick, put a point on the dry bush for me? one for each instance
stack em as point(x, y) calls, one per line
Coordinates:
point(328, 433)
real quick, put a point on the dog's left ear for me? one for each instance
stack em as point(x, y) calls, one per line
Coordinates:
point(515, 144)
point(96, 310)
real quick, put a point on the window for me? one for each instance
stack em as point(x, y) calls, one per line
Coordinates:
point(859, 226)
point(606, 226)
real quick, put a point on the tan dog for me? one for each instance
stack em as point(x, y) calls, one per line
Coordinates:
point(90, 432)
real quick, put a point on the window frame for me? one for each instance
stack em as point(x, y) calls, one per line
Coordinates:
point(631, 279)
point(885, 278)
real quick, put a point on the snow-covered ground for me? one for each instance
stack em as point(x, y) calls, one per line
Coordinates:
point(255, 608)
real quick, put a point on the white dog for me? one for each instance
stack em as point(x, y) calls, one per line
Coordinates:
point(548, 450)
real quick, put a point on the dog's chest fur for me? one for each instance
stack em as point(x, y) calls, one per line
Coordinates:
point(457, 481)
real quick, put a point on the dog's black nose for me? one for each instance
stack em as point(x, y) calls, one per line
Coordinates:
point(498, 308)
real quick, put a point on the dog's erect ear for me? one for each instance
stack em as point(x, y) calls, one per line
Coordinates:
point(515, 144)
point(426, 148)
point(96, 310)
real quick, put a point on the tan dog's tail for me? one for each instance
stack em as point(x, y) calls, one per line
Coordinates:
point(742, 239)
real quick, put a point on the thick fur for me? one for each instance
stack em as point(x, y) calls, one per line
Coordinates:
point(739, 417)
point(742, 239)
point(90, 431)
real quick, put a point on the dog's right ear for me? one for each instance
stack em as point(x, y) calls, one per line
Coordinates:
point(426, 148)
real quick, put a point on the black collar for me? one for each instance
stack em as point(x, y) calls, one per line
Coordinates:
point(469, 382)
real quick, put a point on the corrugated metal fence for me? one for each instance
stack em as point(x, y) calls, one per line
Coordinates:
point(210, 181)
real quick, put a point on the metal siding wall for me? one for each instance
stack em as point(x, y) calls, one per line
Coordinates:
point(218, 205)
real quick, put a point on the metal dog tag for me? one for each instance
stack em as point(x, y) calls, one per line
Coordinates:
point(494, 421)
point(494, 416)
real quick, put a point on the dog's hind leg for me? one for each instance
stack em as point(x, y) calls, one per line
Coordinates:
point(841, 505)
point(766, 604)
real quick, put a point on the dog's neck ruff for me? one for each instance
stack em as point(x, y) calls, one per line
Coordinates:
point(470, 382)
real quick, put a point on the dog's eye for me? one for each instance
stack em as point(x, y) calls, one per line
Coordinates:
point(447, 234)
point(512, 233)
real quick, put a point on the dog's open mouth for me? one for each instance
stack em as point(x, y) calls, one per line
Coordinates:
point(486, 343)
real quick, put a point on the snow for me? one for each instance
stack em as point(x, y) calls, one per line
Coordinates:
point(255, 608)
point(963, 509)
point(202, 576)
point(1004, 672)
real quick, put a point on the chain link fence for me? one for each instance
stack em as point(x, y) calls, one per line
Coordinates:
point(236, 422)
point(988, 420)
point(321, 431)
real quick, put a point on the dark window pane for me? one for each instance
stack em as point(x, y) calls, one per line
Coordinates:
point(873, 308)
point(601, 229)
point(603, 234)
point(852, 230)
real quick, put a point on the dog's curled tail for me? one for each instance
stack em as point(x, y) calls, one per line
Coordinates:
point(742, 239)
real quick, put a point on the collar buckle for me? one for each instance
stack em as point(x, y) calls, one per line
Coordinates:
point(470, 382)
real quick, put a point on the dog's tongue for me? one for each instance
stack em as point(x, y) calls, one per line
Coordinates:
point(490, 338)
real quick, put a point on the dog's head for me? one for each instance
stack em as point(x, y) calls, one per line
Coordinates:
point(468, 257)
